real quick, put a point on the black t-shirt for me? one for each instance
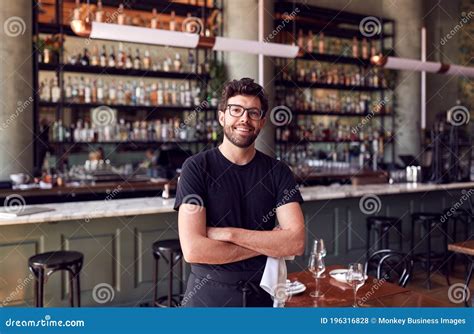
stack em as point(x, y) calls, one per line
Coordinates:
point(243, 196)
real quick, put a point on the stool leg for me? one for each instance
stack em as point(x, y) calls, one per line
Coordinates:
point(40, 301)
point(181, 276)
point(368, 243)
point(77, 280)
point(170, 280)
point(155, 283)
point(400, 237)
point(36, 288)
point(386, 238)
point(71, 288)
point(412, 239)
point(468, 279)
point(428, 267)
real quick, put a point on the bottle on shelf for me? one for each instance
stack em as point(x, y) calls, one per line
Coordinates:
point(172, 24)
point(103, 57)
point(99, 12)
point(55, 91)
point(137, 62)
point(120, 15)
point(85, 60)
point(154, 20)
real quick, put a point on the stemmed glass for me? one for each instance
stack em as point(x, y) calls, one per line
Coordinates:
point(316, 267)
point(356, 277)
point(319, 248)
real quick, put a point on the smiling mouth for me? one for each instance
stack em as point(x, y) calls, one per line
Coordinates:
point(242, 129)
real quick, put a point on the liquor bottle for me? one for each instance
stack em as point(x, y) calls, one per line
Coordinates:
point(68, 89)
point(355, 47)
point(365, 49)
point(103, 57)
point(147, 60)
point(191, 62)
point(99, 13)
point(121, 15)
point(120, 93)
point(174, 95)
point(80, 90)
point(177, 63)
point(95, 56)
point(87, 92)
point(85, 61)
point(94, 91)
point(120, 61)
point(128, 59)
point(100, 91)
point(46, 56)
point(154, 20)
point(309, 44)
point(172, 25)
point(112, 93)
point(55, 91)
point(74, 91)
point(167, 64)
point(321, 46)
point(137, 60)
point(300, 40)
point(160, 94)
point(111, 61)
point(187, 95)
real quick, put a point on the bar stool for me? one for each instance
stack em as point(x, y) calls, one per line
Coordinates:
point(170, 251)
point(429, 222)
point(382, 226)
point(44, 264)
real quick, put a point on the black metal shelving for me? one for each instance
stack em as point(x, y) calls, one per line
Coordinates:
point(61, 68)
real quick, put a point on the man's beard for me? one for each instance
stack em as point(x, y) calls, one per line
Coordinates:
point(237, 140)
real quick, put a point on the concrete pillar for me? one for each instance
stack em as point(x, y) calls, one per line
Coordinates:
point(16, 89)
point(241, 22)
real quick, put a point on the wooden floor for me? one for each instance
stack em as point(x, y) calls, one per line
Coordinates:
point(439, 288)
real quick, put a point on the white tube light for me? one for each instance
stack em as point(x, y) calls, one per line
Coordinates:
point(248, 46)
point(395, 63)
point(126, 33)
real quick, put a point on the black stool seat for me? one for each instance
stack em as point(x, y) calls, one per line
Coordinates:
point(430, 221)
point(170, 251)
point(382, 226)
point(167, 246)
point(56, 259)
point(45, 264)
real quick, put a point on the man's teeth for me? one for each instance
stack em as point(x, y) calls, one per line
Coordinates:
point(243, 129)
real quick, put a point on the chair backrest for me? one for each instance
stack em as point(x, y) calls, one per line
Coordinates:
point(388, 262)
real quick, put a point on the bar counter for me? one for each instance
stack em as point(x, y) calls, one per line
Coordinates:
point(115, 236)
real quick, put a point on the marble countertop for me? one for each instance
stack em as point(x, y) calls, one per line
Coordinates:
point(152, 205)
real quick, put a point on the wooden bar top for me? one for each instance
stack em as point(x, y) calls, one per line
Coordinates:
point(463, 247)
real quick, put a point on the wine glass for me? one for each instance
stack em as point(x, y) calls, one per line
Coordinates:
point(356, 277)
point(319, 248)
point(316, 267)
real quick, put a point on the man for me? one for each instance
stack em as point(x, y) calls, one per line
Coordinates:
point(227, 199)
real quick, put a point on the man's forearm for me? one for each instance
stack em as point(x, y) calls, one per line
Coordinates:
point(207, 251)
point(276, 243)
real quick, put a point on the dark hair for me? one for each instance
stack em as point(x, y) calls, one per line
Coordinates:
point(244, 86)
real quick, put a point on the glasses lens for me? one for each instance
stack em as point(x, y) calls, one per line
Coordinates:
point(236, 111)
point(254, 114)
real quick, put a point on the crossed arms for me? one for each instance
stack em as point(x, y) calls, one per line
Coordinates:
point(220, 245)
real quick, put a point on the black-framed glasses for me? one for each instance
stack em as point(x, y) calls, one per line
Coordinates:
point(236, 110)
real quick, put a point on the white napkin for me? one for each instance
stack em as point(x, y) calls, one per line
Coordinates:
point(274, 279)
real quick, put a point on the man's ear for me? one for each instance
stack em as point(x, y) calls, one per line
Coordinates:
point(263, 121)
point(221, 117)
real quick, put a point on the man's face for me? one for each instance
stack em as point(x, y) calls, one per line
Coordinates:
point(241, 131)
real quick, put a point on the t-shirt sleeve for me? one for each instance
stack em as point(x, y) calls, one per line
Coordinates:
point(191, 186)
point(287, 190)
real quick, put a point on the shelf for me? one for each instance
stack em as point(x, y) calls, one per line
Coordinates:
point(336, 59)
point(123, 107)
point(316, 85)
point(337, 113)
point(122, 71)
point(306, 141)
point(132, 143)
